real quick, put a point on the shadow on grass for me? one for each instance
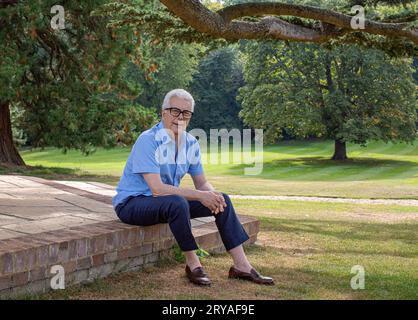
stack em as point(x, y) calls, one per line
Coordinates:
point(55, 173)
point(325, 275)
point(301, 167)
point(354, 231)
point(335, 282)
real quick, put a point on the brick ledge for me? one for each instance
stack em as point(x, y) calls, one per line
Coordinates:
point(92, 251)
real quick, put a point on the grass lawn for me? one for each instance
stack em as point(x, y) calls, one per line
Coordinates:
point(308, 248)
point(290, 168)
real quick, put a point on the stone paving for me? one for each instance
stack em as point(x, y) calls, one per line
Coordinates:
point(29, 205)
point(44, 223)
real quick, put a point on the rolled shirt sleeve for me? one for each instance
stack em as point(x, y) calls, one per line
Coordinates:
point(195, 167)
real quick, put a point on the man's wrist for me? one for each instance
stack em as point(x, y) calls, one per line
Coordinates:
point(199, 194)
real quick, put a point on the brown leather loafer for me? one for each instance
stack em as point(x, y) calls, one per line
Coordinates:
point(253, 276)
point(198, 276)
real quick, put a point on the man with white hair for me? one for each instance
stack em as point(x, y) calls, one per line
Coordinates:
point(148, 192)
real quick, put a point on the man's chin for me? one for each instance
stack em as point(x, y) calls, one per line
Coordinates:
point(178, 128)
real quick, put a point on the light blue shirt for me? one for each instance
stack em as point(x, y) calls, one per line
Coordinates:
point(155, 152)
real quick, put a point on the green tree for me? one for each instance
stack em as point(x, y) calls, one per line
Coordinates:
point(41, 68)
point(215, 87)
point(415, 66)
point(174, 66)
point(345, 94)
point(70, 85)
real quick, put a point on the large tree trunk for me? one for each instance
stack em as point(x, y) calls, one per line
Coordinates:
point(8, 151)
point(340, 151)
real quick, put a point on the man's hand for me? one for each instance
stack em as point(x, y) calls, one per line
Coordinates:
point(209, 198)
point(213, 200)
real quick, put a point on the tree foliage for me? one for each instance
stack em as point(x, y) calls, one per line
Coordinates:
point(174, 66)
point(215, 87)
point(70, 83)
point(345, 94)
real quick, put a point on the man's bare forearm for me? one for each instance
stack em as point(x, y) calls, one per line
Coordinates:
point(211, 200)
point(206, 187)
point(189, 194)
point(158, 188)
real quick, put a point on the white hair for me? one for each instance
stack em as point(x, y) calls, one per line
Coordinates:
point(180, 93)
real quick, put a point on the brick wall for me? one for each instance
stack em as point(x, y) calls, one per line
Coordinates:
point(94, 251)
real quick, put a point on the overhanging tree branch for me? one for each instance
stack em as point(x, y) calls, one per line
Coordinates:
point(224, 23)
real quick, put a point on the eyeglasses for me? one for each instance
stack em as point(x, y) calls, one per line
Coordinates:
point(175, 112)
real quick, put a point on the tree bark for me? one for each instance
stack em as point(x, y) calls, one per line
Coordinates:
point(225, 23)
point(8, 151)
point(340, 151)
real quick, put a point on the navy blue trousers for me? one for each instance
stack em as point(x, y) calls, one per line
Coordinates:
point(177, 212)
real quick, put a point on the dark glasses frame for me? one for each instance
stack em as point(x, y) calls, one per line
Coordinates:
point(186, 113)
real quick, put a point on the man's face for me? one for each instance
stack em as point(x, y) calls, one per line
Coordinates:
point(177, 124)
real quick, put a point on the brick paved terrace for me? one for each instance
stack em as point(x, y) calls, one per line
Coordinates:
point(45, 223)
